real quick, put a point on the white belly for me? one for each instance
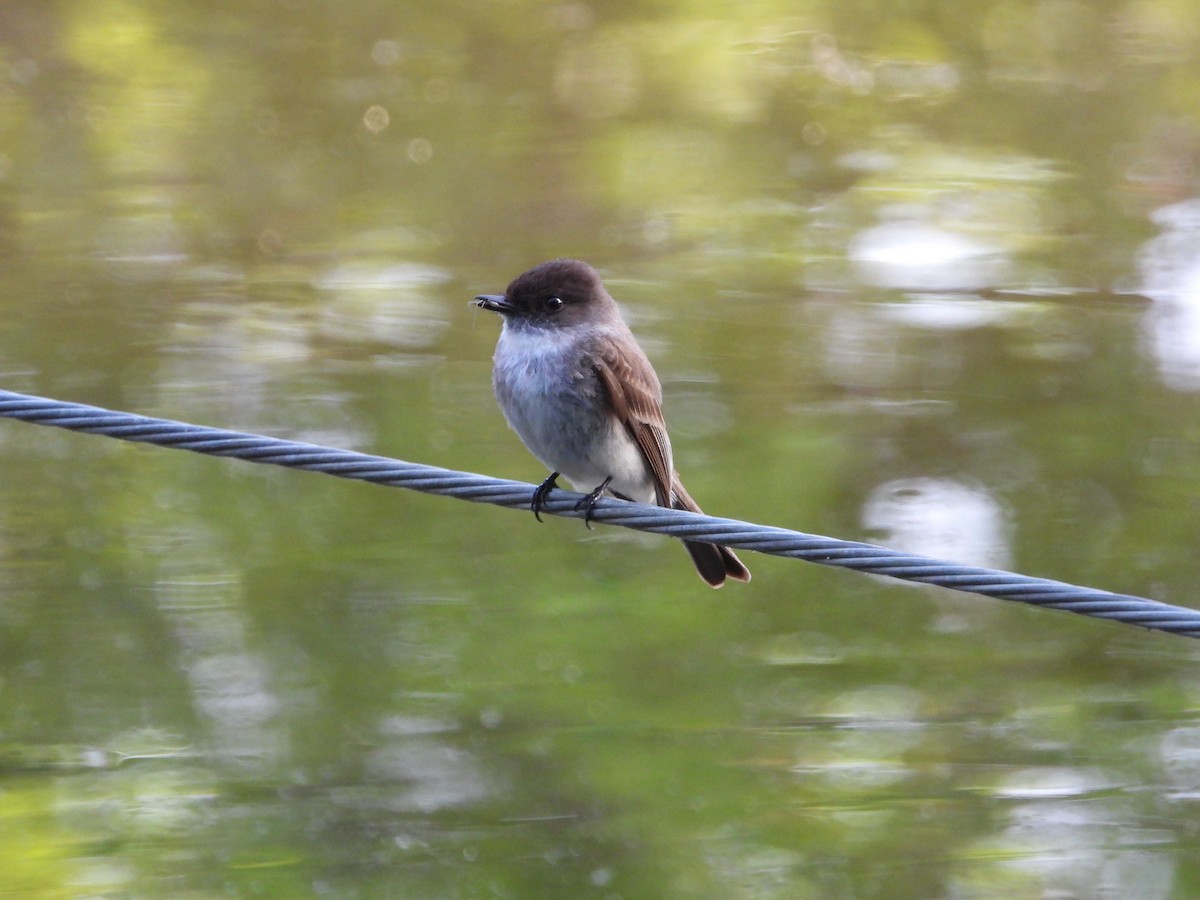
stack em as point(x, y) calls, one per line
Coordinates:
point(559, 410)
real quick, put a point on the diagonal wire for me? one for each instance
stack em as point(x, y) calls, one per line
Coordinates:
point(828, 551)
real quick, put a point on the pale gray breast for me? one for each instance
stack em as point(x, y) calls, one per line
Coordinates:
point(550, 399)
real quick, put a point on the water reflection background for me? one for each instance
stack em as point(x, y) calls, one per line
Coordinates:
point(925, 278)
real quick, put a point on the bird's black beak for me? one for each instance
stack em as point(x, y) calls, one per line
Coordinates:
point(496, 303)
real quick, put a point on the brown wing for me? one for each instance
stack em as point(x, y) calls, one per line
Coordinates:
point(636, 398)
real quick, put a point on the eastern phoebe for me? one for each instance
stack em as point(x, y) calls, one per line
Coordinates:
point(579, 392)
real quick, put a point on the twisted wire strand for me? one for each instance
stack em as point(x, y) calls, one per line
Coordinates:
point(381, 470)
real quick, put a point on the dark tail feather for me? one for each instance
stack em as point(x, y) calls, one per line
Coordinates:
point(714, 562)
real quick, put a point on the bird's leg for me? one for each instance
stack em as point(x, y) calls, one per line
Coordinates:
point(541, 492)
point(588, 503)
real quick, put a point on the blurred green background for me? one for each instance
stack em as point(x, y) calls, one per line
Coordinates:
point(920, 273)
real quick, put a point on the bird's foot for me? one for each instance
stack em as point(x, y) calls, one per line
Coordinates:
point(588, 503)
point(541, 492)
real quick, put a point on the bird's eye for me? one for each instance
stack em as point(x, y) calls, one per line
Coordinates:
point(553, 304)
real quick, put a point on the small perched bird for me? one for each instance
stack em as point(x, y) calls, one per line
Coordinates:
point(580, 393)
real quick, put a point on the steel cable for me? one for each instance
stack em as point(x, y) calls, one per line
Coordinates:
point(828, 551)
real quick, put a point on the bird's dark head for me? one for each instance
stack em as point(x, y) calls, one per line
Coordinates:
point(555, 294)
